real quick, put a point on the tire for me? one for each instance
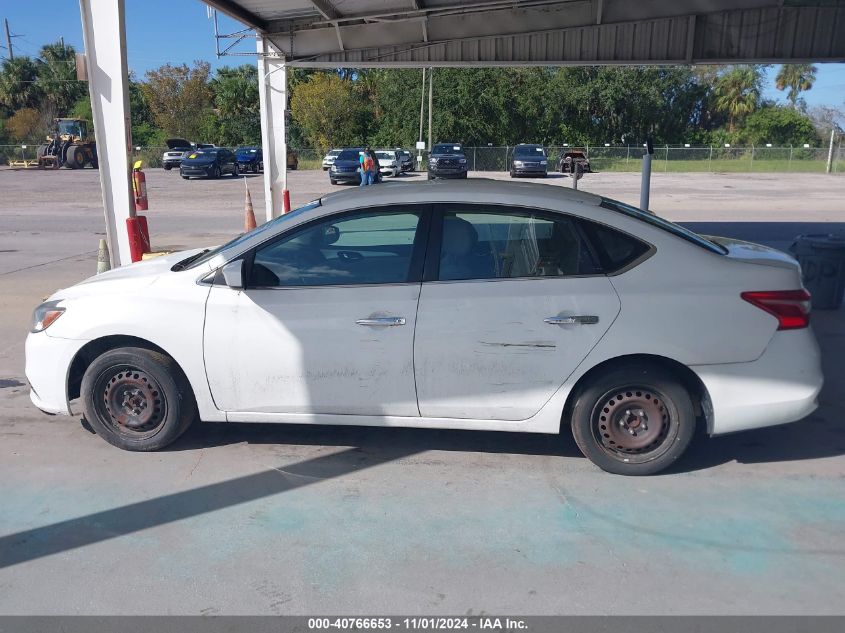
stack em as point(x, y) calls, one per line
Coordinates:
point(236, 172)
point(513, 175)
point(214, 172)
point(75, 157)
point(465, 175)
point(430, 177)
point(168, 167)
point(618, 434)
point(333, 181)
point(152, 383)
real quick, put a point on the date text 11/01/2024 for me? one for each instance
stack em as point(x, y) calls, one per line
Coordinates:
point(419, 623)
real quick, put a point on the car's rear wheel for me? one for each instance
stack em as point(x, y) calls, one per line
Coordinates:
point(168, 167)
point(137, 399)
point(634, 419)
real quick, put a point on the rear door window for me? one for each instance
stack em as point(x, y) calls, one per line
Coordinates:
point(483, 242)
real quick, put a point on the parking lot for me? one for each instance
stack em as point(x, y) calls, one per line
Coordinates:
point(260, 519)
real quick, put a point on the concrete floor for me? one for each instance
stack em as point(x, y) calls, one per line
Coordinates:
point(252, 519)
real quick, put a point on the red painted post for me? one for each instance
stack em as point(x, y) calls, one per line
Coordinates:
point(286, 201)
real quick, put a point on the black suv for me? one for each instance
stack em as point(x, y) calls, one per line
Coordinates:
point(447, 160)
point(529, 160)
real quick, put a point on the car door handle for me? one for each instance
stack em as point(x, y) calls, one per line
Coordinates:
point(587, 319)
point(382, 321)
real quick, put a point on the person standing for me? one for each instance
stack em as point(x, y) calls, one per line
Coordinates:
point(366, 167)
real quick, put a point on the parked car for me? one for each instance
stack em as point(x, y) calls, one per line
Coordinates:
point(176, 148)
point(406, 160)
point(209, 163)
point(529, 160)
point(328, 159)
point(390, 162)
point(447, 160)
point(346, 165)
point(570, 158)
point(250, 159)
point(293, 160)
point(480, 306)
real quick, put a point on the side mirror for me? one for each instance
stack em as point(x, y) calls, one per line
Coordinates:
point(233, 274)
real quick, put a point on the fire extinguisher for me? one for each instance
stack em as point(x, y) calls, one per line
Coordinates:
point(139, 187)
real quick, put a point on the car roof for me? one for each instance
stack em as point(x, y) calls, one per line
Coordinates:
point(476, 190)
point(473, 190)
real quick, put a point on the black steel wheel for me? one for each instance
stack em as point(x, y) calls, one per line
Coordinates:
point(635, 419)
point(137, 399)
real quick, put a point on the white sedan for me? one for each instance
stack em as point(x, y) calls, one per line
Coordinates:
point(460, 305)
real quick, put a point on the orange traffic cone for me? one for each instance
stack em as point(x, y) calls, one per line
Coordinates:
point(249, 214)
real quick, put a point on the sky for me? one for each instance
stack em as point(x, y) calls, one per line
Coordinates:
point(179, 31)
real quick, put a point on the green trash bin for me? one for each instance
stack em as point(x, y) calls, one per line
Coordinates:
point(822, 259)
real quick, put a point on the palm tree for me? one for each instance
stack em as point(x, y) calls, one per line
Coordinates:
point(18, 87)
point(737, 92)
point(56, 67)
point(796, 77)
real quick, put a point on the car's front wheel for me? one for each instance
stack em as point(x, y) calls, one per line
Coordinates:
point(634, 419)
point(168, 167)
point(137, 399)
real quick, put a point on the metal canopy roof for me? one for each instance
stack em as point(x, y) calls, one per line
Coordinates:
point(392, 33)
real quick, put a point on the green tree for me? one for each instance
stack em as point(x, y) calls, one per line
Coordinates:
point(237, 104)
point(56, 78)
point(18, 87)
point(779, 126)
point(737, 92)
point(331, 111)
point(179, 99)
point(798, 78)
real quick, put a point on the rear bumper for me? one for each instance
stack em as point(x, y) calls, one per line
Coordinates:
point(781, 386)
point(48, 361)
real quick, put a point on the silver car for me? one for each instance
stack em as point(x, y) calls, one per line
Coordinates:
point(176, 148)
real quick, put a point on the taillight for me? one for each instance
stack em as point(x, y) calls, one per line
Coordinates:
point(790, 307)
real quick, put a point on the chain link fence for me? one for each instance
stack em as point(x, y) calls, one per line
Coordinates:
point(602, 158)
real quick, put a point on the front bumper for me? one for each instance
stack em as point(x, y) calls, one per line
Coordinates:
point(534, 171)
point(447, 172)
point(196, 171)
point(779, 387)
point(48, 361)
point(171, 162)
point(345, 176)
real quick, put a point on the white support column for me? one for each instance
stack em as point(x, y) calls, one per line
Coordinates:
point(272, 90)
point(104, 33)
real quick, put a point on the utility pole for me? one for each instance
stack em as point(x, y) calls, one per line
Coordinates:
point(9, 39)
point(430, 103)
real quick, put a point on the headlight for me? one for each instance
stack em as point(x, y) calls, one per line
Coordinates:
point(517, 163)
point(45, 315)
point(334, 167)
point(432, 160)
point(462, 161)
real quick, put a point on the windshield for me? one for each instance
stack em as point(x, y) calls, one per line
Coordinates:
point(349, 154)
point(447, 148)
point(334, 152)
point(74, 128)
point(660, 223)
point(211, 153)
point(243, 237)
point(246, 151)
point(530, 150)
point(386, 155)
